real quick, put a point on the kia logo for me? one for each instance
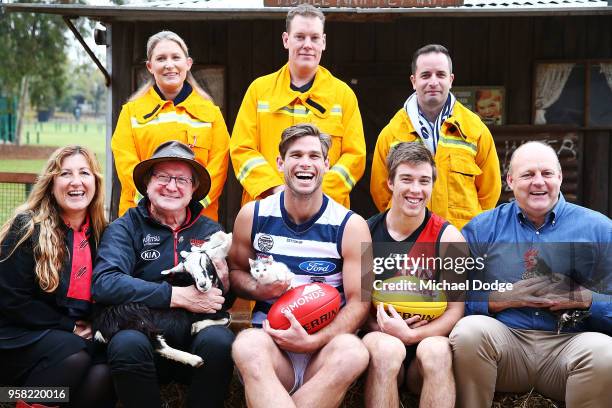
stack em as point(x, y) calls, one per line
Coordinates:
point(150, 255)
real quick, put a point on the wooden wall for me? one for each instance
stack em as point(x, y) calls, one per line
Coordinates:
point(374, 58)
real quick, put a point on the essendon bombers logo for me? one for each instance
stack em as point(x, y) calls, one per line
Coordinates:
point(196, 242)
point(265, 243)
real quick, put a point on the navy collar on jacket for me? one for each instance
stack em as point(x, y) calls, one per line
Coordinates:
point(182, 95)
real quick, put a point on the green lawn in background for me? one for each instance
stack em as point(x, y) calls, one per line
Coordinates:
point(58, 132)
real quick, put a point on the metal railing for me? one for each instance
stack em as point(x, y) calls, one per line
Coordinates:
point(14, 189)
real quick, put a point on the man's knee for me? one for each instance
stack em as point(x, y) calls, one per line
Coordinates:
point(469, 332)
point(129, 348)
point(348, 352)
point(434, 355)
point(385, 351)
point(251, 346)
point(599, 357)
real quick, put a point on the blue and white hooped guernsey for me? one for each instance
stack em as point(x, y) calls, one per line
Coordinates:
point(312, 250)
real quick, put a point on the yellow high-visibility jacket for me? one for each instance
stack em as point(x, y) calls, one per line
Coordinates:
point(270, 106)
point(148, 121)
point(469, 180)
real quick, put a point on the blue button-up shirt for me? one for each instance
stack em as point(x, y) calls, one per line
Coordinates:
point(573, 241)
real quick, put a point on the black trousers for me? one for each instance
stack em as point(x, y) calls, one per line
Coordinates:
point(137, 370)
point(61, 359)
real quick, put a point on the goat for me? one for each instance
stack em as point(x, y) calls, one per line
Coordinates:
point(163, 326)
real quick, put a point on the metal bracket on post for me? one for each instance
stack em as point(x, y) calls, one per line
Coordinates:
point(95, 59)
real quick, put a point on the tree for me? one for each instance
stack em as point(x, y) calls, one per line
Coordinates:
point(32, 59)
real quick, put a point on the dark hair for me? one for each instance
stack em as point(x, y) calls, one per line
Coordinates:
point(411, 153)
point(304, 10)
point(291, 134)
point(437, 48)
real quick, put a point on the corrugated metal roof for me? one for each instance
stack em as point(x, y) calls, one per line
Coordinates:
point(258, 4)
point(189, 10)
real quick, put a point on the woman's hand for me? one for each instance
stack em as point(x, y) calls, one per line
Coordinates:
point(82, 329)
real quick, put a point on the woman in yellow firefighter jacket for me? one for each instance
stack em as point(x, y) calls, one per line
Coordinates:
point(170, 106)
point(271, 105)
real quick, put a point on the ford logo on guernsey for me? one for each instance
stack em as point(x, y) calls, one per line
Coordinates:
point(317, 267)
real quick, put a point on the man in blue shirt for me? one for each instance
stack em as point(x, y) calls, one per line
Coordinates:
point(556, 255)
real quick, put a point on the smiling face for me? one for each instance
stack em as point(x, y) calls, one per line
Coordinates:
point(74, 187)
point(411, 188)
point(169, 66)
point(535, 179)
point(305, 42)
point(432, 80)
point(488, 105)
point(304, 166)
point(171, 198)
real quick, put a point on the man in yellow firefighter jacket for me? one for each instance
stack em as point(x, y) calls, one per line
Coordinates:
point(301, 91)
point(469, 180)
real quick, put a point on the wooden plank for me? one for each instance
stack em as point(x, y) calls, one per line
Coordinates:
point(599, 37)
point(262, 56)
point(596, 177)
point(239, 77)
point(520, 64)
point(122, 54)
point(365, 3)
point(386, 38)
point(409, 32)
point(469, 62)
point(18, 178)
point(567, 144)
point(498, 55)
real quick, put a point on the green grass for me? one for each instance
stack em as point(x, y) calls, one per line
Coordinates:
point(59, 132)
point(21, 166)
point(89, 133)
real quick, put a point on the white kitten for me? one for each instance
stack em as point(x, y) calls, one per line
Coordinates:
point(266, 270)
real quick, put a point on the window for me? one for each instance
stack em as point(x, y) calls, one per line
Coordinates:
point(573, 93)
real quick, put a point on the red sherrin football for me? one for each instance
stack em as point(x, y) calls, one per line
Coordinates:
point(314, 305)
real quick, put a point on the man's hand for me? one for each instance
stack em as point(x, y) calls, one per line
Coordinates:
point(294, 339)
point(191, 299)
point(395, 326)
point(272, 290)
point(565, 293)
point(220, 265)
point(524, 293)
point(82, 329)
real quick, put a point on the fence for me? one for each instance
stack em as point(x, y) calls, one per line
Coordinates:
point(14, 189)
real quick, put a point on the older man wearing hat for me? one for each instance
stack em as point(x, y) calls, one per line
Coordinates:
point(134, 250)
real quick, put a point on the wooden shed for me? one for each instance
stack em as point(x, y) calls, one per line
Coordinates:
point(550, 60)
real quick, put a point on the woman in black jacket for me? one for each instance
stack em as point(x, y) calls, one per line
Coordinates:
point(46, 253)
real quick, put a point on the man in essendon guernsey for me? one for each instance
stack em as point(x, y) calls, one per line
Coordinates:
point(411, 351)
point(320, 241)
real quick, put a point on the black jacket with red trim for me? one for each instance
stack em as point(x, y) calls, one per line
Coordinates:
point(136, 248)
point(27, 312)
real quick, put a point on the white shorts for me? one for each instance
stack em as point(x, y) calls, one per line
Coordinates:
point(299, 361)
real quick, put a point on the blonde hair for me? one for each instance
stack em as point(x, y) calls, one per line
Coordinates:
point(151, 44)
point(41, 210)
